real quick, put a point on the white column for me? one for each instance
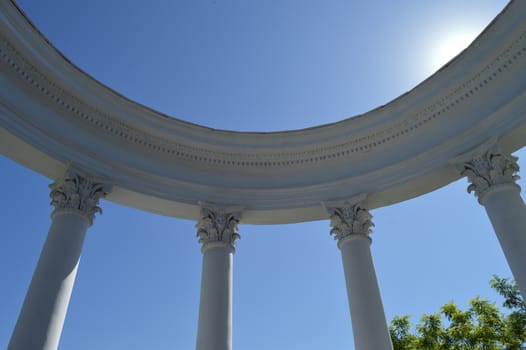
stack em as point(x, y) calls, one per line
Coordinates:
point(492, 175)
point(351, 226)
point(40, 322)
point(217, 231)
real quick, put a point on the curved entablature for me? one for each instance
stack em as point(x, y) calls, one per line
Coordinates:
point(52, 114)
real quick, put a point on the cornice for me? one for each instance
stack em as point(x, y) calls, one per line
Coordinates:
point(260, 154)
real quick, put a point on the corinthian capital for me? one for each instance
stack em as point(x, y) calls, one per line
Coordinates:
point(218, 226)
point(75, 193)
point(349, 220)
point(488, 170)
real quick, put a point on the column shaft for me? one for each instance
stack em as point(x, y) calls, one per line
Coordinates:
point(217, 231)
point(40, 322)
point(351, 225)
point(507, 213)
point(39, 325)
point(215, 308)
point(492, 174)
point(367, 313)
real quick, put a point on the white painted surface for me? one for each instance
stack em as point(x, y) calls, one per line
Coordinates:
point(367, 312)
point(40, 322)
point(507, 213)
point(215, 307)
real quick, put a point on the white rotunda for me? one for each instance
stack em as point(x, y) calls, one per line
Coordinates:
point(463, 121)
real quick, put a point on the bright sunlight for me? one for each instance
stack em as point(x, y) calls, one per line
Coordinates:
point(450, 45)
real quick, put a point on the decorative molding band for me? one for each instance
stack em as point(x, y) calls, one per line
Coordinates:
point(105, 123)
point(218, 226)
point(78, 194)
point(349, 219)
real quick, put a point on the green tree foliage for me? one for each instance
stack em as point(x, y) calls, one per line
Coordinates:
point(483, 326)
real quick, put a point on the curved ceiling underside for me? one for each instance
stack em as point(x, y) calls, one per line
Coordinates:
point(52, 115)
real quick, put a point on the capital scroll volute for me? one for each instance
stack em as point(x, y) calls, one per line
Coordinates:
point(349, 219)
point(78, 193)
point(488, 169)
point(218, 226)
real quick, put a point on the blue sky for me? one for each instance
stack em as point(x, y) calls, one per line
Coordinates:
point(251, 65)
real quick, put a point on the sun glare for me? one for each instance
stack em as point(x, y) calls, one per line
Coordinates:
point(449, 46)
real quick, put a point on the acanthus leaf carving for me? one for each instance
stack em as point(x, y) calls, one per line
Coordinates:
point(78, 193)
point(489, 170)
point(350, 220)
point(218, 226)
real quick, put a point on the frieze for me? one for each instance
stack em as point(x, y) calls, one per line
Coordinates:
point(109, 125)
